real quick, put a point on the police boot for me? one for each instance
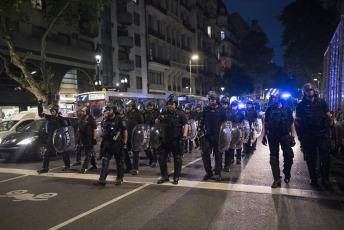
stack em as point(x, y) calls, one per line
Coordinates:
point(66, 159)
point(312, 172)
point(136, 158)
point(207, 166)
point(93, 163)
point(149, 156)
point(163, 169)
point(103, 173)
point(127, 162)
point(227, 161)
point(190, 146)
point(177, 168)
point(218, 163)
point(275, 172)
point(118, 181)
point(120, 168)
point(238, 156)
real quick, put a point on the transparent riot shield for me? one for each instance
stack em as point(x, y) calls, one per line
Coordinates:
point(192, 129)
point(245, 129)
point(140, 137)
point(225, 136)
point(236, 136)
point(155, 136)
point(64, 139)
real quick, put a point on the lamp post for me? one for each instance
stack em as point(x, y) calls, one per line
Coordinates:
point(97, 82)
point(124, 81)
point(193, 57)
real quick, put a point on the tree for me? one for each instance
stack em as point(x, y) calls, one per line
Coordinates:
point(74, 14)
point(237, 81)
point(308, 30)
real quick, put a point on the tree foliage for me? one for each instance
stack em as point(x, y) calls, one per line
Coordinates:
point(308, 30)
point(76, 15)
point(237, 81)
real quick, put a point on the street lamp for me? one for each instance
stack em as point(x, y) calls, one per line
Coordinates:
point(124, 81)
point(193, 57)
point(222, 88)
point(98, 60)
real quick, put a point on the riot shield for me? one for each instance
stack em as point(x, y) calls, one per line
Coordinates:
point(245, 128)
point(192, 129)
point(140, 137)
point(236, 136)
point(225, 136)
point(155, 136)
point(64, 139)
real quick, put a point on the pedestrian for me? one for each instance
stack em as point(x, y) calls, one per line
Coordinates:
point(172, 122)
point(87, 134)
point(114, 138)
point(197, 117)
point(149, 118)
point(134, 118)
point(190, 116)
point(251, 116)
point(279, 130)
point(55, 121)
point(212, 118)
point(313, 121)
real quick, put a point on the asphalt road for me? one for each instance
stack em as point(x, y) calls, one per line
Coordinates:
point(242, 200)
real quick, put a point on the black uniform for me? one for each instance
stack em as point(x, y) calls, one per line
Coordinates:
point(314, 134)
point(197, 117)
point(133, 119)
point(235, 117)
point(189, 142)
point(149, 118)
point(278, 128)
point(54, 122)
point(86, 127)
point(251, 115)
point(113, 134)
point(171, 132)
point(211, 120)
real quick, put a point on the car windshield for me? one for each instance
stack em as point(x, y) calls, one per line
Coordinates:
point(34, 126)
point(7, 125)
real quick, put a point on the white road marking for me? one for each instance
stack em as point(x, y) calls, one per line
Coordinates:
point(195, 184)
point(97, 208)
point(190, 163)
point(13, 178)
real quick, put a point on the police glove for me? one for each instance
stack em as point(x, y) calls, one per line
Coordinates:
point(265, 141)
point(94, 142)
point(199, 133)
point(183, 140)
point(292, 141)
point(125, 147)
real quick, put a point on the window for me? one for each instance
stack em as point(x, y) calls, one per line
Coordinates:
point(137, 40)
point(209, 31)
point(136, 1)
point(138, 82)
point(155, 77)
point(136, 19)
point(138, 61)
point(222, 35)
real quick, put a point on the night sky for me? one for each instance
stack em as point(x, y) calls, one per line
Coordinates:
point(265, 11)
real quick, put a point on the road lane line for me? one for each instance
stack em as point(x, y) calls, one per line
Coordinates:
point(14, 178)
point(190, 163)
point(337, 195)
point(97, 208)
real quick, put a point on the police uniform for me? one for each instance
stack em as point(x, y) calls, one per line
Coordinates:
point(86, 126)
point(197, 117)
point(278, 122)
point(171, 124)
point(133, 119)
point(149, 118)
point(211, 120)
point(314, 134)
point(189, 142)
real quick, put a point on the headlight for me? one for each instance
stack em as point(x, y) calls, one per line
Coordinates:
point(0, 139)
point(27, 141)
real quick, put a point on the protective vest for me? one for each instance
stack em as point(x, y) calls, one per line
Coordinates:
point(172, 124)
point(113, 129)
point(314, 118)
point(278, 120)
point(213, 118)
point(150, 117)
point(134, 118)
point(197, 116)
point(53, 124)
point(86, 126)
point(251, 115)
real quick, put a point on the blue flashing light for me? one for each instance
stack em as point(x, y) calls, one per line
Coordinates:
point(242, 105)
point(286, 95)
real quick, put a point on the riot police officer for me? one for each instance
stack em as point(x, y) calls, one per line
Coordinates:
point(87, 134)
point(210, 123)
point(312, 122)
point(55, 121)
point(189, 116)
point(197, 117)
point(114, 140)
point(279, 129)
point(225, 103)
point(251, 115)
point(149, 118)
point(235, 117)
point(134, 118)
point(172, 122)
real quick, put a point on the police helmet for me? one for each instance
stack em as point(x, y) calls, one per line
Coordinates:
point(86, 109)
point(213, 95)
point(53, 107)
point(308, 86)
point(188, 106)
point(198, 106)
point(110, 105)
point(224, 100)
point(150, 103)
point(131, 103)
point(234, 103)
point(120, 108)
point(171, 98)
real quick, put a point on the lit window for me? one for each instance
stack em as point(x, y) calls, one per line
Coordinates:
point(222, 35)
point(209, 31)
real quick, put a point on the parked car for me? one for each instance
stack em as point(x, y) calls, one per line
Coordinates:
point(30, 141)
point(16, 122)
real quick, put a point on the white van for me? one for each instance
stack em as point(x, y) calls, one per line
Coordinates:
point(16, 122)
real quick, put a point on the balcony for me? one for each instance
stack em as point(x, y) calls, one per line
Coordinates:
point(156, 5)
point(125, 41)
point(126, 65)
point(156, 34)
point(160, 60)
point(188, 26)
point(125, 18)
point(187, 48)
point(224, 54)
